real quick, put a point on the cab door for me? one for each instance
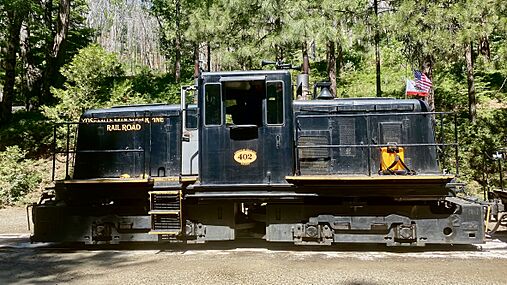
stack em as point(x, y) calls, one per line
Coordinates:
point(246, 136)
point(190, 135)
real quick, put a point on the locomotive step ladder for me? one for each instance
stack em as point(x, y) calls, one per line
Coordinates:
point(165, 212)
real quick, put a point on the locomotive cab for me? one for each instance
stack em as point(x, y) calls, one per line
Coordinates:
point(246, 136)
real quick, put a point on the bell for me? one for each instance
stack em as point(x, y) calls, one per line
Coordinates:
point(325, 94)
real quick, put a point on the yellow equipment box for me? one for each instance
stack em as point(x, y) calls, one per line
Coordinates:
point(392, 160)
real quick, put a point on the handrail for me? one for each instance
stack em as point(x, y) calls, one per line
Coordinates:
point(102, 150)
point(372, 114)
point(374, 145)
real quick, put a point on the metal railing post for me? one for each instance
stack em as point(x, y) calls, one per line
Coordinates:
point(54, 153)
point(369, 138)
point(456, 143)
point(67, 152)
point(296, 144)
point(149, 157)
point(442, 138)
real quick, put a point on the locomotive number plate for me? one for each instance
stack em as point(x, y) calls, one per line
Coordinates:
point(245, 156)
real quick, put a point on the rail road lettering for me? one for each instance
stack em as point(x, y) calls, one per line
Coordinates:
point(245, 156)
point(146, 120)
point(123, 127)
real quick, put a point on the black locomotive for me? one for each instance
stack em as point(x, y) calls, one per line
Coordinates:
point(248, 161)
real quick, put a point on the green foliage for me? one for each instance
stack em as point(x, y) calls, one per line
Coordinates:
point(91, 70)
point(358, 74)
point(94, 78)
point(17, 177)
point(30, 131)
point(39, 24)
point(478, 142)
point(157, 87)
point(87, 85)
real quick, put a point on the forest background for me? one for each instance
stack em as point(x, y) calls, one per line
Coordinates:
point(60, 57)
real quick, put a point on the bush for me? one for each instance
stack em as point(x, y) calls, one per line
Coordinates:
point(96, 78)
point(17, 176)
point(478, 142)
point(30, 131)
point(93, 77)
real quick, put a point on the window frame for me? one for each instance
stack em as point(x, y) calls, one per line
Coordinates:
point(205, 105)
point(266, 104)
point(186, 119)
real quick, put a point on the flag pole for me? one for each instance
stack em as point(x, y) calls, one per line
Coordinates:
point(406, 82)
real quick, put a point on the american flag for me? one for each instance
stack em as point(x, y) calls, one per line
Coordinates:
point(422, 82)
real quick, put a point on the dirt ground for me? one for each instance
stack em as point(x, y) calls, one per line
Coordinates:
point(242, 262)
point(13, 220)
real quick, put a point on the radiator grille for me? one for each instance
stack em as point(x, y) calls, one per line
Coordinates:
point(391, 132)
point(314, 160)
point(347, 134)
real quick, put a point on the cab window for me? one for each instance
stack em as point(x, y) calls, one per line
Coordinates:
point(191, 118)
point(212, 105)
point(243, 102)
point(274, 102)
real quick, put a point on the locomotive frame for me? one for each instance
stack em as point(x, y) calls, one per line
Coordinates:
point(247, 160)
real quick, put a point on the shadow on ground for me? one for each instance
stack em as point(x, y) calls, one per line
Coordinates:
point(42, 265)
point(249, 244)
point(500, 235)
point(22, 262)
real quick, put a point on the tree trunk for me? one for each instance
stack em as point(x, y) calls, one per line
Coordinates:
point(196, 61)
point(32, 74)
point(40, 83)
point(303, 91)
point(427, 68)
point(377, 51)
point(177, 43)
point(470, 81)
point(484, 48)
point(62, 29)
point(208, 56)
point(278, 48)
point(306, 61)
point(15, 20)
point(177, 59)
point(331, 65)
point(339, 59)
point(377, 67)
